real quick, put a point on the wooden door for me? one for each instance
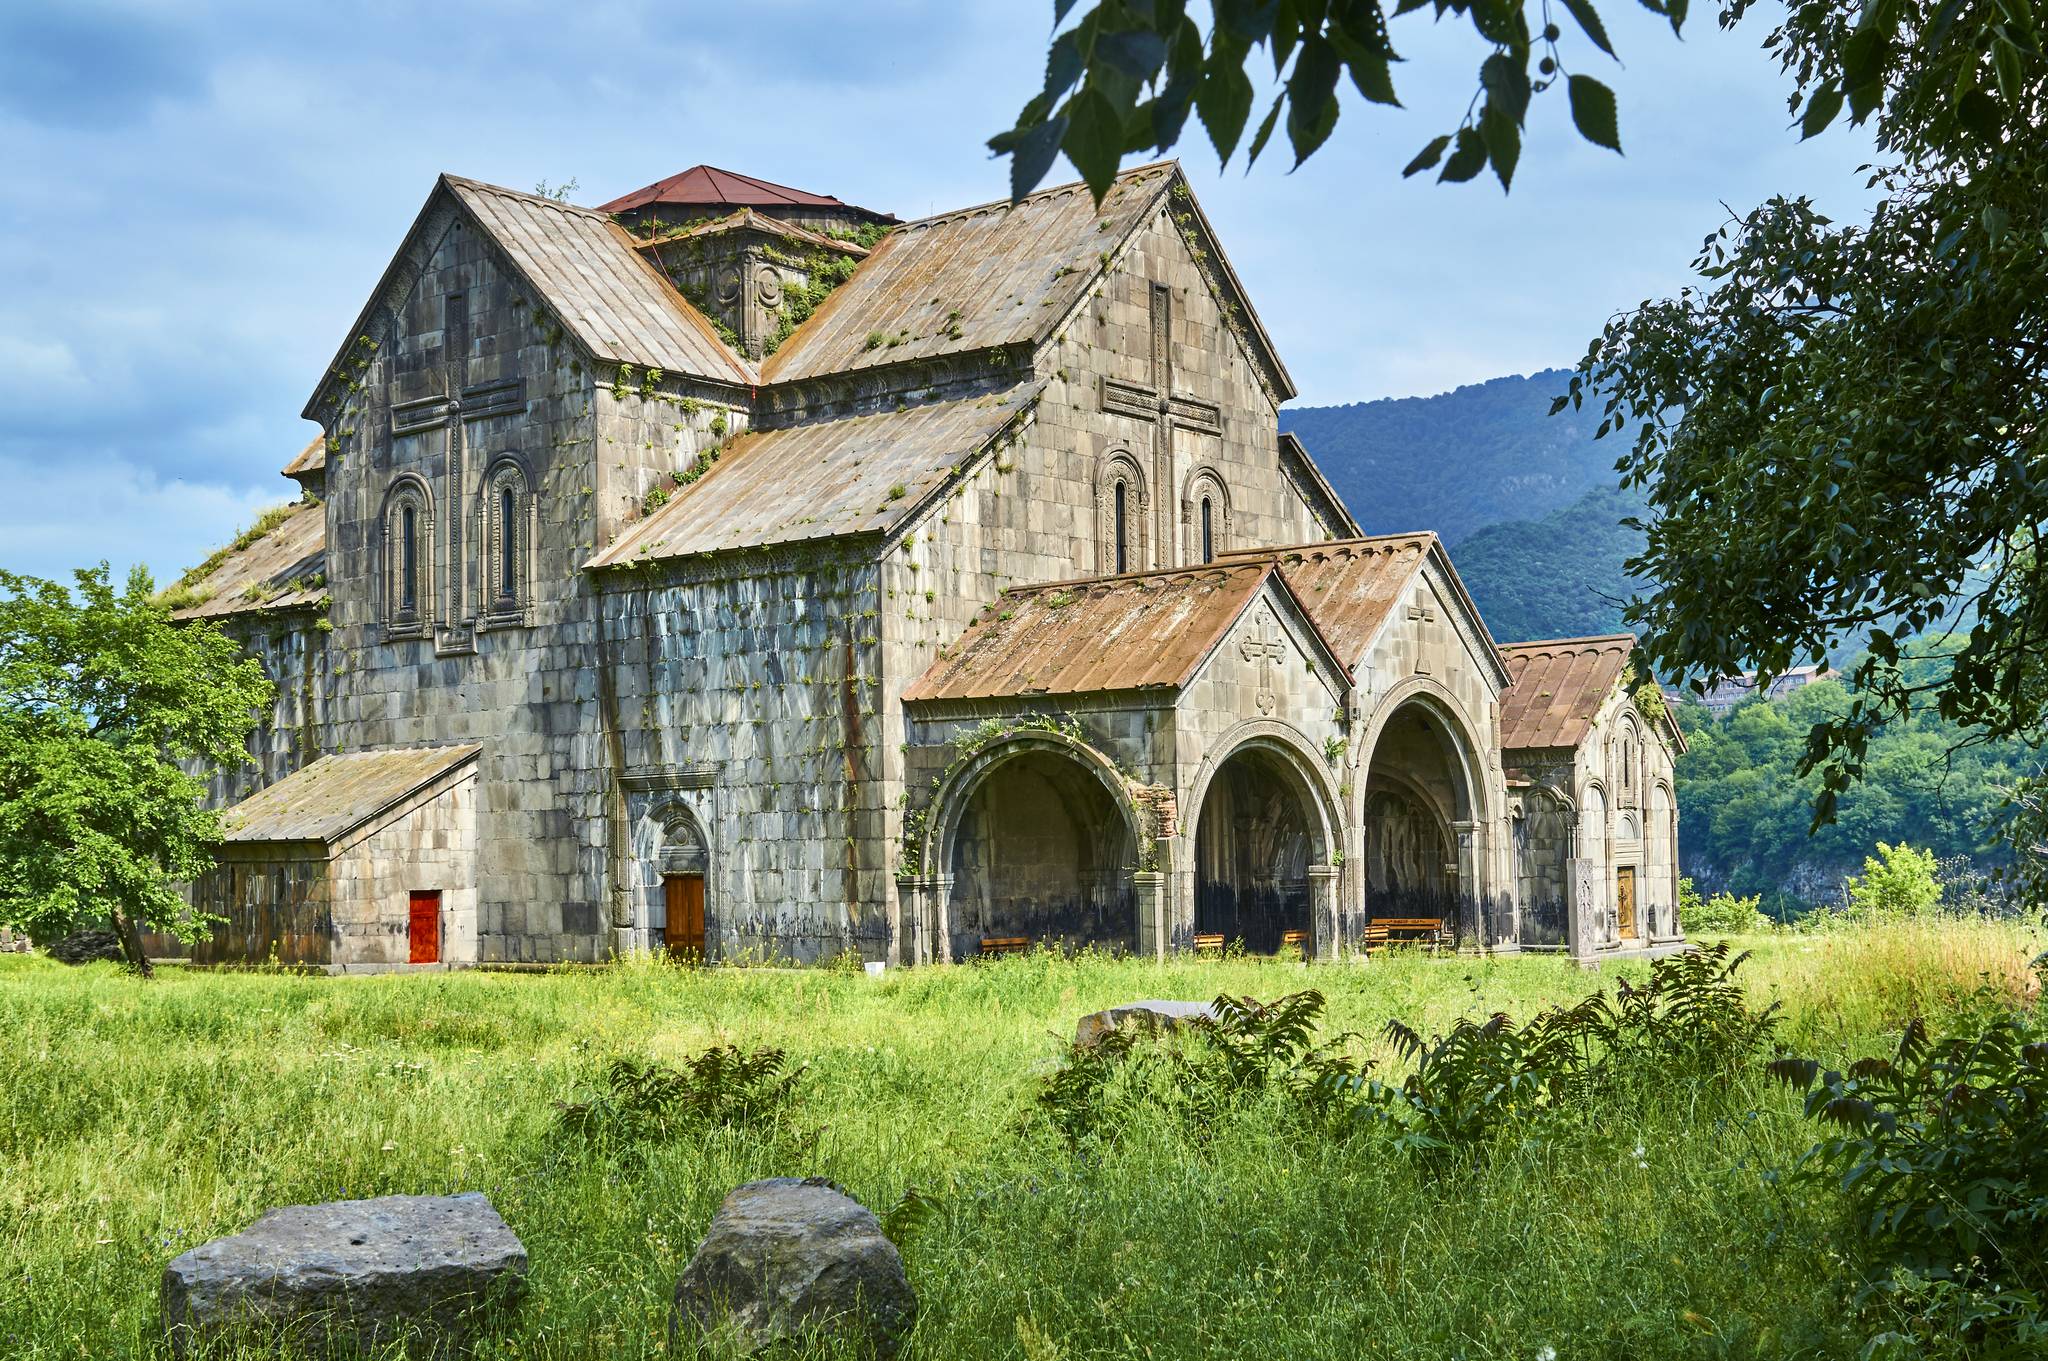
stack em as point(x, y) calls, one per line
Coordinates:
point(423, 927)
point(1625, 900)
point(684, 934)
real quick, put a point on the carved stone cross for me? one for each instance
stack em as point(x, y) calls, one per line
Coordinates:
point(449, 413)
point(1267, 651)
point(1157, 403)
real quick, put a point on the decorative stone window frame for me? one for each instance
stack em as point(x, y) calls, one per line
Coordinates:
point(407, 492)
point(1206, 482)
point(1120, 465)
point(496, 533)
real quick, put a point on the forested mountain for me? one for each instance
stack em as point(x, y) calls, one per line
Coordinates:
point(1526, 501)
point(1557, 576)
point(1460, 460)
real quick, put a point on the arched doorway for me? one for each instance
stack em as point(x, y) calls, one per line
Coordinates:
point(1041, 852)
point(1416, 796)
point(1254, 843)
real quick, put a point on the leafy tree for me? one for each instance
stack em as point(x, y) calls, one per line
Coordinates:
point(106, 705)
point(1896, 882)
point(1124, 78)
point(1840, 427)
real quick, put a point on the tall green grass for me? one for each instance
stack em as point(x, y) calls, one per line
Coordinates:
point(138, 1119)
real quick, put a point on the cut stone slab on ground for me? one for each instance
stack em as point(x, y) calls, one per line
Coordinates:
point(346, 1273)
point(788, 1259)
point(1154, 1015)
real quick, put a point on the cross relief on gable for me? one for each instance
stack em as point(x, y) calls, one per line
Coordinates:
point(457, 404)
point(1156, 403)
point(1266, 646)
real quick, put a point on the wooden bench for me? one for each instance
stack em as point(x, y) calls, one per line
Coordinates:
point(1005, 945)
point(1296, 941)
point(1383, 931)
point(1208, 942)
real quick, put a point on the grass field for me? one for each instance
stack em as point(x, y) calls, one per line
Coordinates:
point(138, 1119)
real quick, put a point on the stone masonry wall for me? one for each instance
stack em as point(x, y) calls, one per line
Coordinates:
point(429, 846)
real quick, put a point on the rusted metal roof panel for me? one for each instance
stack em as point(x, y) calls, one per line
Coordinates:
point(587, 272)
point(1559, 686)
point(284, 569)
point(1350, 586)
point(968, 280)
point(336, 794)
point(1145, 631)
point(855, 475)
point(706, 186)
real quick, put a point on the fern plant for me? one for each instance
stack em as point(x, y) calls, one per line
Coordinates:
point(649, 1100)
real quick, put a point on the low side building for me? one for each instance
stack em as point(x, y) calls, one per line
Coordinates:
point(1589, 757)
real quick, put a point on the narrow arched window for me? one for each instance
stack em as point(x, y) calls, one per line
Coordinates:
point(1208, 530)
point(508, 545)
point(408, 561)
point(1123, 535)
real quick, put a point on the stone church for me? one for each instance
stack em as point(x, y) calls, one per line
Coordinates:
point(733, 570)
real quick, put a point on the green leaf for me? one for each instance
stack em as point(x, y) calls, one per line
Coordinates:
point(1374, 79)
point(1427, 157)
point(1031, 151)
point(1094, 140)
point(1503, 143)
point(1589, 23)
point(1507, 86)
point(1136, 52)
point(1223, 101)
point(1467, 160)
point(1593, 112)
point(1312, 98)
point(1265, 131)
point(1820, 111)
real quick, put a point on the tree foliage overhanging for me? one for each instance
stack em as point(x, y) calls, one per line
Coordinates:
point(1840, 427)
point(1124, 78)
point(104, 701)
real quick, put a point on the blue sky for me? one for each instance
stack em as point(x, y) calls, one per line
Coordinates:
point(199, 196)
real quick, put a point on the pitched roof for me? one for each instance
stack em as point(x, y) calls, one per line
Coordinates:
point(336, 794)
point(585, 269)
point(1559, 686)
point(746, 219)
point(311, 459)
point(855, 475)
point(1350, 586)
point(1142, 631)
point(258, 575)
point(968, 280)
point(707, 186)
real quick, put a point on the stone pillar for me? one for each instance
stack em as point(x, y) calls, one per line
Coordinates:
point(1582, 932)
point(1471, 891)
point(937, 920)
point(913, 944)
point(1155, 913)
point(1322, 911)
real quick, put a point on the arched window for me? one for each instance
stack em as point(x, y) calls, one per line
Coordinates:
point(1121, 513)
point(1204, 517)
point(406, 548)
point(507, 573)
point(1122, 508)
point(408, 560)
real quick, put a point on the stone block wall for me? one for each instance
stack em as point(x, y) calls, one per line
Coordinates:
point(430, 845)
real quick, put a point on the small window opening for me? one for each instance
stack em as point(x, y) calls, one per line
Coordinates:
point(508, 547)
point(1208, 531)
point(408, 561)
point(1123, 542)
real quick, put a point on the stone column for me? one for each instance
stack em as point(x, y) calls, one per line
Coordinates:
point(1322, 911)
point(1581, 909)
point(1471, 892)
point(913, 944)
point(1155, 913)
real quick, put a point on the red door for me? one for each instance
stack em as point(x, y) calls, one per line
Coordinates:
point(684, 934)
point(423, 927)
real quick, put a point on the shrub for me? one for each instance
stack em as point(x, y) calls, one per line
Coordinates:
point(1896, 882)
point(648, 1100)
point(1723, 912)
point(1942, 1155)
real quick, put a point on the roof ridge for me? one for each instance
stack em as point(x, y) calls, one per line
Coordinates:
point(1579, 643)
point(1037, 195)
point(502, 191)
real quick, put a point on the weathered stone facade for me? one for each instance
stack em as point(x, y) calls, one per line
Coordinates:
point(690, 604)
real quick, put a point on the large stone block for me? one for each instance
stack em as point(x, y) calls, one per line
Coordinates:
point(788, 1258)
point(1152, 1015)
point(348, 1273)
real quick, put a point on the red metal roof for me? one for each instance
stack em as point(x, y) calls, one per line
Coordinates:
point(706, 186)
point(1141, 631)
point(1558, 689)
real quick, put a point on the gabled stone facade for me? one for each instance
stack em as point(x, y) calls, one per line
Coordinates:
point(690, 603)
